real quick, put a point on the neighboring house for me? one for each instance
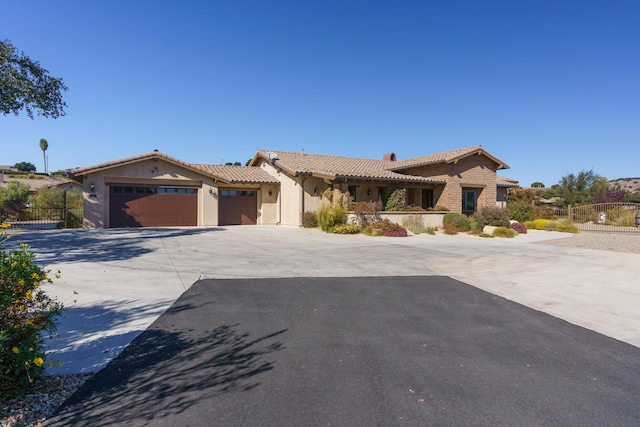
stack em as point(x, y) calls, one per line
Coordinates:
point(277, 187)
point(36, 184)
point(503, 185)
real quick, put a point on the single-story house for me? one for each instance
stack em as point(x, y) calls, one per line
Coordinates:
point(277, 187)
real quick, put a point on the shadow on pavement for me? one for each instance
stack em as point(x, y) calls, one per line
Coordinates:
point(96, 245)
point(91, 336)
point(143, 385)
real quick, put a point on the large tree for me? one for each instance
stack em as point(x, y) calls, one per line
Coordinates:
point(25, 85)
point(25, 167)
point(580, 189)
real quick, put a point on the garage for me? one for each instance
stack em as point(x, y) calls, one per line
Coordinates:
point(238, 207)
point(152, 206)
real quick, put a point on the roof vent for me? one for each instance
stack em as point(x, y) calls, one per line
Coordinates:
point(390, 157)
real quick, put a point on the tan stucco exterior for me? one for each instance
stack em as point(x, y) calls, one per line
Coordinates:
point(286, 190)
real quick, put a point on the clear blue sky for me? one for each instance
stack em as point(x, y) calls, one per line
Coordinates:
point(547, 86)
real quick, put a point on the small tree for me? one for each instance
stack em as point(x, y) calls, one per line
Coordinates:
point(397, 200)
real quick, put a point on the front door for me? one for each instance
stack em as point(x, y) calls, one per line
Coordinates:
point(469, 198)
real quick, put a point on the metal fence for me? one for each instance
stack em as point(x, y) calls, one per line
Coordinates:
point(34, 218)
point(617, 217)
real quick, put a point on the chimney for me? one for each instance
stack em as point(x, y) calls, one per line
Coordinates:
point(391, 157)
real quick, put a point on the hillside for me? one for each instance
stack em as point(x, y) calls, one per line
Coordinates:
point(627, 184)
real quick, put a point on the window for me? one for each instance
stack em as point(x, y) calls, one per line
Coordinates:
point(468, 200)
point(352, 192)
point(427, 199)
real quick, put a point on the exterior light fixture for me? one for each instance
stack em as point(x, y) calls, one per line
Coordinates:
point(315, 191)
point(92, 188)
point(270, 192)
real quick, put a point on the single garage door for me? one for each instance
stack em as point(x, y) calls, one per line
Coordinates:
point(136, 206)
point(238, 207)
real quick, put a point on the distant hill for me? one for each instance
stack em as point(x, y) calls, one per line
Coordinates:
point(627, 184)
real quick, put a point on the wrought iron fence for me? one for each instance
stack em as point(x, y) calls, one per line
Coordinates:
point(620, 217)
point(35, 218)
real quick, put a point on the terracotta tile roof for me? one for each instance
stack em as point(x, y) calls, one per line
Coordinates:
point(239, 174)
point(502, 181)
point(446, 157)
point(126, 161)
point(229, 174)
point(336, 167)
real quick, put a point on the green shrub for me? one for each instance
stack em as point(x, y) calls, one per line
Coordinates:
point(551, 226)
point(310, 220)
point(504, 232)
point(520, 210)
point(621, 217)
point(345, 229)
point(494, 216)
point(26, 312)
point(414, 224)
point(329, 216)
point(566, 227)
point(397, 200)
point(540, 223)
point(459, 221)
point(530, 225)
point(370, 231)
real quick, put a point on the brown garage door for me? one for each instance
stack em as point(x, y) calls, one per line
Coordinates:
point(134, 206)
point(238, 207)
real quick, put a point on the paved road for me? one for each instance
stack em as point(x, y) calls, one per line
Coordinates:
point(360, 351)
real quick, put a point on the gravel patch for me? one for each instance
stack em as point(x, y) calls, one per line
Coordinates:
point(613, 242)
point(47, 393)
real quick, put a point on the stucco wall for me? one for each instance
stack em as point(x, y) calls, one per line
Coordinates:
point(289, 197)
point(147, 172)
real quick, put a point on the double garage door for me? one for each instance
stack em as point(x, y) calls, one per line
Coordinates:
point(147, 206)
point(135, 206)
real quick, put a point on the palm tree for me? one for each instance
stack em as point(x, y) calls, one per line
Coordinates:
point(43, 146)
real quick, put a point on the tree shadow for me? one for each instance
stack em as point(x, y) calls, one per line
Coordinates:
point(165, 373)
point(101, 245)
point(90, 337)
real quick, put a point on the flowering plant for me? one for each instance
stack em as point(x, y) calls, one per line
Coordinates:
point(26, 312)
point(390, 229)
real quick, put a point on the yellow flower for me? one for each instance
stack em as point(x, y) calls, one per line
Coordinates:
point(16, 350)
point(14, 263)
point(24, 245)
point(29, 294)
point(4, 225)
point(24, 265)
point(39, 361)
point(29, 322)
point(35, 276)
point(21, 282)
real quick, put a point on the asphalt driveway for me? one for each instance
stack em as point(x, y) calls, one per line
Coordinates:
point(359, 351)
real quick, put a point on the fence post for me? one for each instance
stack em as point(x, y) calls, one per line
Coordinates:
point(64, 208)
point(570, 214)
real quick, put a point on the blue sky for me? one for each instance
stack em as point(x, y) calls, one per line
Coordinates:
point(549, 87)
